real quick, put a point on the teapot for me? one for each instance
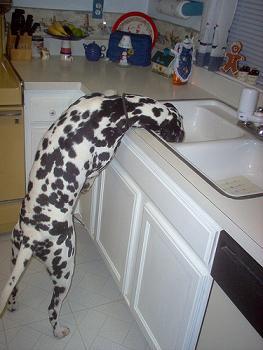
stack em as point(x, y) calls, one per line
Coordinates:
point(93, 51)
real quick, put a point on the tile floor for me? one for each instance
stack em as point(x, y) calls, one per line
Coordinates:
point(94, 309)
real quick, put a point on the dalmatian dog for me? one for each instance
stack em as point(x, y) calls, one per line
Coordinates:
point(74, 150)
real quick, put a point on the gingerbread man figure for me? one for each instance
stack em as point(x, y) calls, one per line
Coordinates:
point(233, 58)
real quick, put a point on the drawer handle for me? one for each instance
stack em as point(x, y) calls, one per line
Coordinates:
point(52, 113)
point(10, 114)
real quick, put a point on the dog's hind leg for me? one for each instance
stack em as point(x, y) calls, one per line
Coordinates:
point(16, 240)
point(60, 290)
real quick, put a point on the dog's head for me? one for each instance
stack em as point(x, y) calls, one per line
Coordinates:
point(172, 130)
point(150, 114)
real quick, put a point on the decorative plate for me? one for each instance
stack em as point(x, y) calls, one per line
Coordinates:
point(137, 23)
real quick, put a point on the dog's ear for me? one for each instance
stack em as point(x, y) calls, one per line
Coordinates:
point(169, 105)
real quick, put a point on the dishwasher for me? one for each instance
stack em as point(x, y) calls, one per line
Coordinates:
point(234, 315)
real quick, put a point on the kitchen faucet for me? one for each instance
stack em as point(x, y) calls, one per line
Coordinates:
point(250, 116)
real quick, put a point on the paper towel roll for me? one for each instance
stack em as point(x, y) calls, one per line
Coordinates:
point(172, 8)
point(180, 9)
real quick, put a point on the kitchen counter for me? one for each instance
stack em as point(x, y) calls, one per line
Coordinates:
point(242, 219)
point(100, 76)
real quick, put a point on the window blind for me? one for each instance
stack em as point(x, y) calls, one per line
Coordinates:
point(247, 27)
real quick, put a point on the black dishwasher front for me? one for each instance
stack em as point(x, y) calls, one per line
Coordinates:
point(241, 278)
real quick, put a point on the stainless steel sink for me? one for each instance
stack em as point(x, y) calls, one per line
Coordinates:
point(215, 147)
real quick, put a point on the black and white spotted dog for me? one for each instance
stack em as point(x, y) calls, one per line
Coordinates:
point(73, 151)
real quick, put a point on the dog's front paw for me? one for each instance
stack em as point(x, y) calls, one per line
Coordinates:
point(61, 332)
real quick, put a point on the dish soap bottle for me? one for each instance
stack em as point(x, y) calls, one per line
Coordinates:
point(182, 69)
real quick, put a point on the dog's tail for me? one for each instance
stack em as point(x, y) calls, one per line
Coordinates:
point(24, 255)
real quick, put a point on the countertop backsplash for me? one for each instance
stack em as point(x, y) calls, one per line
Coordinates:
point(99, 30)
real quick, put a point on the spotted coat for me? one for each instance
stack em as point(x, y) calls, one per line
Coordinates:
point(74, 150)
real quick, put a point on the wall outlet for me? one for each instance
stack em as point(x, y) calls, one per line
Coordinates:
point(97, 11)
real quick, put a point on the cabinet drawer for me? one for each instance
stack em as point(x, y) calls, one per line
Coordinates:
point(43, 106)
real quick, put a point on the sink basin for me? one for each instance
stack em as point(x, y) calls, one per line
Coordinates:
point(206, 120)
point(222, 153)
point(234, 166)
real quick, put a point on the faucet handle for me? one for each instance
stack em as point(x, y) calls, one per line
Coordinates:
point(259, 109)
point(260, 131)
point(259, 113)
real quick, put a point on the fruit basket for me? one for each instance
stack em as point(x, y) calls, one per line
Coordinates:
point(66, 31)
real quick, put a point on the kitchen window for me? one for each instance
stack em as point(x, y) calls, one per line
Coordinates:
point(247, 27)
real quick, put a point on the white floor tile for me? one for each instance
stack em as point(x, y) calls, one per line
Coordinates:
point(115, 330)
point(101, 343)
point(93, 282)
point(45, 328)
point(1, 326)
point(89, 324)
point(134, 339)
point(2, 338)
point(97, 267)
point(80, 299)
point(35, 266)
point(50, 342)
point(117, 310)
point(22, 316)
point(32, 296)
point(75, 342)
point(111, 290)
point(94, 310)
point(38, 279)
point(89, 319)
point(24, 339)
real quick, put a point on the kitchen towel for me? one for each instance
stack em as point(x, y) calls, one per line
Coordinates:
point(216, 21)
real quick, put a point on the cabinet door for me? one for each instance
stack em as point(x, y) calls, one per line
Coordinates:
point(119, 215)
point(172, 285)
point(42, 108)
point(35, 134)
point(88, 203)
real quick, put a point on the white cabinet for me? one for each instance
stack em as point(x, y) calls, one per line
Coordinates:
point(171, 285)
point(158, 244)
point(118, 216)
point(42, 108)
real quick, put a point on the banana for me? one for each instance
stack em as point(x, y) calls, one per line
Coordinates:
point(51, 30)
point(59, 27)
point(56, 30)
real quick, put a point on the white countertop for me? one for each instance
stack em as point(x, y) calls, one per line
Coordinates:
point(102, 75)
point(242, 219)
